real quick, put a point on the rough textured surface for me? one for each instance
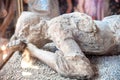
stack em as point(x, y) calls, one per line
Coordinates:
point(73, 34)
point(31, 27)
point(107, 67)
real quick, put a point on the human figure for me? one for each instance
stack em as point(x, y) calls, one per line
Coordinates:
point(48, 8)
point(94, 8)
point(6, 13)
point(75, 35)
point(65, 6)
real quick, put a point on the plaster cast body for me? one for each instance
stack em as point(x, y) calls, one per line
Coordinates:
point(74, 34)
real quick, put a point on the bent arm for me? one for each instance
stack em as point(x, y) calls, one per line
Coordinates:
point(69, 47)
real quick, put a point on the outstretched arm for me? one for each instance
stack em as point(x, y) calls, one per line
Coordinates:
point(69, 66)
point(47, 57)
point(68, 61)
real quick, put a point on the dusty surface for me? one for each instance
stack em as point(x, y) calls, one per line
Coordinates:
point(107, 68)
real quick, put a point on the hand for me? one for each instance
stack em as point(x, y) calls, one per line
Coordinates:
point(16, 45)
